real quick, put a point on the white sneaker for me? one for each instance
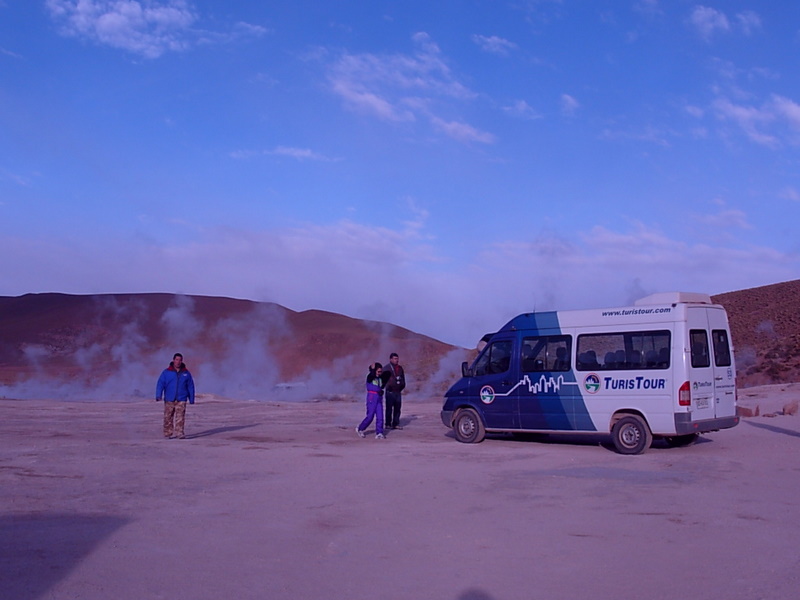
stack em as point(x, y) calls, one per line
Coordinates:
point(360, 433)
point(380, 436)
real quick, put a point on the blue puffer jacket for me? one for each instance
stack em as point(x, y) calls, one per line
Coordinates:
point(175, 385)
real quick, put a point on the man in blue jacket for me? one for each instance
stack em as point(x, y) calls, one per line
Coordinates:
point(175, 386)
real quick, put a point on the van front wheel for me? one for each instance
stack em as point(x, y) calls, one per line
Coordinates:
point(468, 426)
point(631, 435)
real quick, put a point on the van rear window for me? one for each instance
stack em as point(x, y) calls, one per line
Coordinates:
point(624, 351)
point(722, 349)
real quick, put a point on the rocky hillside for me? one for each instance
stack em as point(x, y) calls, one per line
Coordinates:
point(117, 344)
point(765, 325)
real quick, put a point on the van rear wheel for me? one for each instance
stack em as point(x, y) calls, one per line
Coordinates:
point(631, 435)
point(468, 426)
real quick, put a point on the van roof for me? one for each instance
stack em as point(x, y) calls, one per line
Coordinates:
point(540, 321)
point(674, 298)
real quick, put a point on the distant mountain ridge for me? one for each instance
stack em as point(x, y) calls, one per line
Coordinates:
point(238, 348)
point(765, 325)
point(115, 344)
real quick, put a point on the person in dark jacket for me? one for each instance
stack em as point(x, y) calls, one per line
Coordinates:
point(176, 387)
point(394, 382)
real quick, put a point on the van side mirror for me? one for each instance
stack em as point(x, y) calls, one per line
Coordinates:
point(465, 372)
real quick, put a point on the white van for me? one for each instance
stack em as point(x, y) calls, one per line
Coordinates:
point(661, 368)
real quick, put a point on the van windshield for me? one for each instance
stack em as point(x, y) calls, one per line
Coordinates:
point(496, 358)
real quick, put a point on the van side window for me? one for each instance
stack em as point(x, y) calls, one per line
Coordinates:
point(624, 351)
point(546, 353)
point(496, 358)
point(722, 349)
point(698, 338)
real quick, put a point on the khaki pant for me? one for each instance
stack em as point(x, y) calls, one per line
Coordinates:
point(174, 412)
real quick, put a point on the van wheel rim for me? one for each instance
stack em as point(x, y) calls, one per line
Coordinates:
point(630, 436)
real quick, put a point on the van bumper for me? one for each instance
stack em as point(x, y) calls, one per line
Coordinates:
point(684, 424)
point(447, 418)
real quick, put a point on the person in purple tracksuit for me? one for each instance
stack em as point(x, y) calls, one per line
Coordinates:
point(374, 402)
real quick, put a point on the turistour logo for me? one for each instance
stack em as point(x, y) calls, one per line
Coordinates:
point(487, 394)
point(591, 383)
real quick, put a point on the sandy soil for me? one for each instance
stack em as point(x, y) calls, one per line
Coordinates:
point(284, 501)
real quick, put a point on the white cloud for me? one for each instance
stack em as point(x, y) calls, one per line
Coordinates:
point(403, 88)
point(766, 125)
point(521, 109)
point(708, 21)
point(726, 220)
point(790, 193)
point(494, 44)
point(695, 111)
point(291, 152)
point(5, 52)
point(647, 134)
point(569, 105)
point(787, 109)
point(462, 132)
point(147, 28)
point(649, 8)
point(749, 21)
point(298, 153)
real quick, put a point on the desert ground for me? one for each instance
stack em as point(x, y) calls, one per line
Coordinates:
point(270, 500)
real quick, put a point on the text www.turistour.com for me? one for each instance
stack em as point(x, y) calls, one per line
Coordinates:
point(636, 311)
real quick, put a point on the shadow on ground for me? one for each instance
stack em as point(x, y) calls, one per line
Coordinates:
point(37, 551)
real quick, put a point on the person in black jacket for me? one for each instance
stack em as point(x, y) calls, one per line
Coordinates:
point(394, 382)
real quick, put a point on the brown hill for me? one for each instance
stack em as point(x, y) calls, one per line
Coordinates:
point(765, 326)
point(115, 345)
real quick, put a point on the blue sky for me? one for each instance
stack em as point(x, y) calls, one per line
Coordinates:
point(439, 165)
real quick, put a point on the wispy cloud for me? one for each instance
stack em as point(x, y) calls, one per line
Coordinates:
point(708, 22)
point(649, 134)
point(462, 132)
point(521, 109)
point(756, 122)
point(291, 152)
point(790, 193)
point(9, 53)
point(494, 44)
point(749, 22)
point(299, 153)
point(405, 88)
point(147, 28)
point(729, 219)
point(569, 105)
